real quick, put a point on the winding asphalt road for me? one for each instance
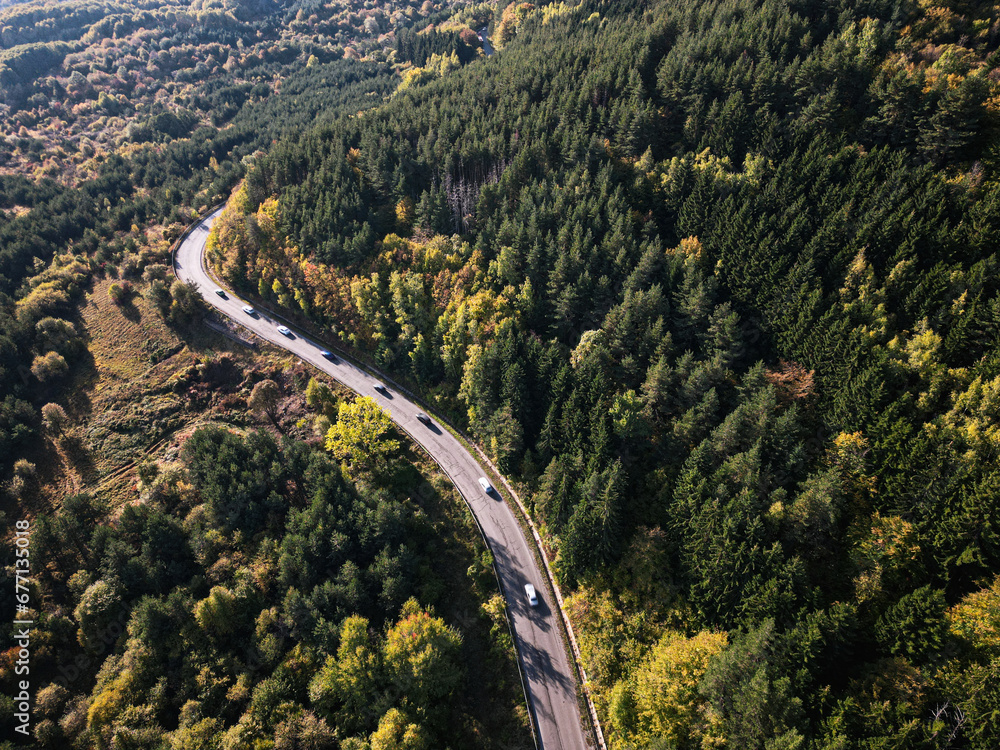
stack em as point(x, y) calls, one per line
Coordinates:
point(545, 664)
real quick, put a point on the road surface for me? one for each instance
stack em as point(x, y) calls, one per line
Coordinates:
point(487, 47)
point(547, 668)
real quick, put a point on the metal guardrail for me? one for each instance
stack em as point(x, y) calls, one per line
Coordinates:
point(574, 646)
point(532, 719)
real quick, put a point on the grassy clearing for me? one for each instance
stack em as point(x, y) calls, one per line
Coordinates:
point(128, 398)
point(142, 389)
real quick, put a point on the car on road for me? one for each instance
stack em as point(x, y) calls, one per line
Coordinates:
point(529, 591)
point(485, 484)
point(423, 417)
point(283, 330)
point(221, 293)
point(249, 310)
point(328, 355)
point(381, 389)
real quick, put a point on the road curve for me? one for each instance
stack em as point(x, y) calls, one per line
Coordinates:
point(547, 668)
point(483, 36)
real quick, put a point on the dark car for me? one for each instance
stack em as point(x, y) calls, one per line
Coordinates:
point(423, 418)
point(328, 355)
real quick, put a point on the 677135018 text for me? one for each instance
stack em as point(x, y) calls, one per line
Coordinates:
point(22, 635)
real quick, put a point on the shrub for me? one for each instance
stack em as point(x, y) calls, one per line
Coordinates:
point(156, 271)
point(54, 418)
point(186, 302)
point(49, 366)
point(58, 335)
point(158, 295)
point(265, 398)
point(24, 468)
point(120, 293)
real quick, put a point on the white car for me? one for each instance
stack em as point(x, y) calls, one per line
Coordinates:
point(485, 484)
point(529, 591)
point(283, 330)
point(249, 310)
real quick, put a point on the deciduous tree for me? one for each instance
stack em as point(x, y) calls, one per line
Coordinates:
point(362, 433)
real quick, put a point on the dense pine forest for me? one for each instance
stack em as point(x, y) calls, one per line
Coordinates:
point(204, 572)
point(713, 282)
point(716, 284)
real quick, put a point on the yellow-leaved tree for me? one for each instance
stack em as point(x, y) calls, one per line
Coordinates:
point(362, 433)
point(973, 679)
point(216, 614)
point(396, 732)
point(975, 621)
point(665, 701)
point(421, 656)
point(512, 18)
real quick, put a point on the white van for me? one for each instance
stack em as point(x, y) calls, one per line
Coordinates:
point(529, 591)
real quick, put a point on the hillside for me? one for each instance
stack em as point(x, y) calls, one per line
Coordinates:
point(713, 282)
point(716, 283)
point(202, 563)
point(120, 121)
point(80, 80)
point(204, 572)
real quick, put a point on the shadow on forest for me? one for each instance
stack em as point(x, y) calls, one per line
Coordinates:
point(78, 456)
point(85, 377)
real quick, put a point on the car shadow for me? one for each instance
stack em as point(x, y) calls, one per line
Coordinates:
point(543, 611)
point(513, 589)
point(540, 615)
